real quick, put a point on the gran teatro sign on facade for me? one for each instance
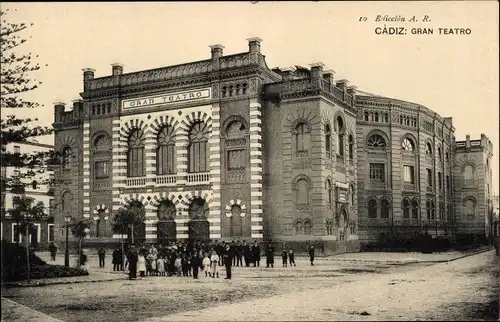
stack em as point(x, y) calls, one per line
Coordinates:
point(169, 98)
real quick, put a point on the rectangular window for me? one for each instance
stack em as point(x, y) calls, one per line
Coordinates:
point(102, 169)
point(51, 206)
point(448, 184)
point(409, 174)
point(429, 177)
point(440, 181)
point(50, 232)
point(377, 172)
point(236, 159)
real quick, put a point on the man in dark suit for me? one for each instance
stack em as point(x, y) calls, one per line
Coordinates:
point(269, 255)
point(247, 254)
point(228, 260)
point(256, 254)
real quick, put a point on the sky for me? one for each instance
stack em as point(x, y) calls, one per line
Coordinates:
point(454, 75)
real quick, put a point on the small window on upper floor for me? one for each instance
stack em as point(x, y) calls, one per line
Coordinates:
point(408, 144)
point(428, 149)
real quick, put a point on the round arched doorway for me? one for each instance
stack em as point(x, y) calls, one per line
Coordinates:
point(166, 227)
point(198, 226)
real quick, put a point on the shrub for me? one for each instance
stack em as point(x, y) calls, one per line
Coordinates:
point(15, 268)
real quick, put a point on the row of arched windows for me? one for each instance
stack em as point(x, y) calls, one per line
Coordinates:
point(371, 116)
point(374, 208)
point(234, 90)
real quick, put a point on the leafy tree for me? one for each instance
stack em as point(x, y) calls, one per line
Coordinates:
point(126, 218)
point(124, 221)
point(24, 212)
point(80, 228)
point(16, 80)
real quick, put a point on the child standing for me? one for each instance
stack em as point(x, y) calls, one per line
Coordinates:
point(178, 265)
point(291, 257)
point(284, 257)
point(160, 265)
point(214, 259)
point(206, 265)
point(141, 265)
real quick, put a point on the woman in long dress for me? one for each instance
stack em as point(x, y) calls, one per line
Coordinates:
point(141, 265)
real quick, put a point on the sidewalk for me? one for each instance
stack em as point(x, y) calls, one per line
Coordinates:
point(13, 311)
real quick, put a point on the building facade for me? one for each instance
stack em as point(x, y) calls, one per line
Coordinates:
point(36, 187)
point(227, 148)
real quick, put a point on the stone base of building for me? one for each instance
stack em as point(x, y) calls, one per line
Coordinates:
point(324, 245)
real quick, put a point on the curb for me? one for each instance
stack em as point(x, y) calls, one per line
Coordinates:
point(41, 284)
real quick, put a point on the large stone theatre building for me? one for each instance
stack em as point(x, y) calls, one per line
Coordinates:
point(227, 148)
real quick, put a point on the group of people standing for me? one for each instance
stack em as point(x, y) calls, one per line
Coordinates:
point(187, 259)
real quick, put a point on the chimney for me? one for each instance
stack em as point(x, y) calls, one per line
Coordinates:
point(287, 73)
point(77, 104)
point(329, 75)
point(467, 141)
point(117, 69)
point(217, 51)
point(254, 44)
point(317, 70)
point(351, 90)
point(342, 84)
point(88, 74)
point(59, 107)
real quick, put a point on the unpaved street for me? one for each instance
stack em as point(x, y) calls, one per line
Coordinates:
point(458, 290)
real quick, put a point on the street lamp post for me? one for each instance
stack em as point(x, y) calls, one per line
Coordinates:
point(67, 219)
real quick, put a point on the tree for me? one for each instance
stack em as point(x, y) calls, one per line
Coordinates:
point(24, 212)
point(80, 228)
point(125, 219)
point(16, 81)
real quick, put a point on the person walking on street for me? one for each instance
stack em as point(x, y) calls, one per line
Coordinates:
point(284, 258)
point(291, 257)
point(117, 259)
point(269, 255)
point(53, 251)
point(256, 254)
point(311, 254)
point(101, 252)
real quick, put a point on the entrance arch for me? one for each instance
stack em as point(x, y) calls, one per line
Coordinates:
point(166, 227)
point(198, 226)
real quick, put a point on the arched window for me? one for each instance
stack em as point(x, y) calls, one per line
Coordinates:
point(301, 137)
point(406, 208)
point(236, 156)
point(366, 116)
point(447, 155)
point(428, 149)
point(307, 227)
point(102, 155)
point(165, 151)
point(385, 208)
point(376, 141)
point(340, 136)
point(372, 208)
point(470, 208)
point(66, 203)
point(236, 222)
point(386, 117)
point(329, 226)
point(298, 228)
point(468, 174)
point(440, 156)
point(408, 144)
point(328, 140)
point(414, 209)
point(198, 147)
point(352, 194)
point(135, 154)
point(351, 147)
point(329, 190)
point(66, 157)
point(302, 191)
